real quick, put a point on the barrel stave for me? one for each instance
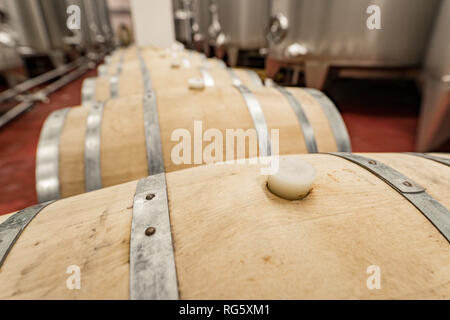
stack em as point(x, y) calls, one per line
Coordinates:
point(123, 142)
point(233, 239)
point(123, 154)
point(71, 160)
point(91, 231)
point(320, 246)
point(422, 171)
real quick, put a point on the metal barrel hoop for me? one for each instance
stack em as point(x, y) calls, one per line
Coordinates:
point(436, 213)
point(47, 157)
point(335, 120)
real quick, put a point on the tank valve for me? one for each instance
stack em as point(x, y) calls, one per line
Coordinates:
point(293, 179)
point(278, 28)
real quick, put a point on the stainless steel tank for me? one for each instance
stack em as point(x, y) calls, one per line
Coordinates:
point(434, 122)
point(201, 14)
point(325, 33)
point(183, 18)
point(40, 25)
point(92, 15)
point(205, 25)
point(244, 22)
point(9, 59)
point(95, 26)
point(242, 25)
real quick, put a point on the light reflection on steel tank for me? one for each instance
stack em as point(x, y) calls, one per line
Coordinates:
point(324, 33)
point(244, 24)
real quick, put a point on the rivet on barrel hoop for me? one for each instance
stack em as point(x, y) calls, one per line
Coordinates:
point(150, 231)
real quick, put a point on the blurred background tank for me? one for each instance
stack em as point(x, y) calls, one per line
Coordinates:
point(243, 27)
point(183, 17)
point(37, 33)
point(202, 21)
point(96, 33)
point(105, 21)
point(434, 122)
point(96, 14)
point(10, 60)
point(325, 33)
point(86, 38)
point(40, 28)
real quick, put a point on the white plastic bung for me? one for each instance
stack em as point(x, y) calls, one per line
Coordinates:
point(166, 52)
point(293, 180)
point(269, 83)
point(186, 63)
point(175, 63)
point(196, 83)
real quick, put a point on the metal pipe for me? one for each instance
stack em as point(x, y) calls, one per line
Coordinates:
point(14, 112)
point(27, 104)
point(27, 85)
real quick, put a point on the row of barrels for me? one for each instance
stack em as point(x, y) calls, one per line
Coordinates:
point(374, 226)
point(107, 141)
point(233, 239)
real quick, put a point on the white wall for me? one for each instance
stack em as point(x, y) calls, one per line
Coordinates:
point(153, 22)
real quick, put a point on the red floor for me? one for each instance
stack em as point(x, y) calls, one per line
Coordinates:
point(380, 116)
point(18, 142)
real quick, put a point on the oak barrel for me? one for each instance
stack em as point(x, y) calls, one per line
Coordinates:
point(133, 53)
point(119, 136)
point(233, 239)
point(129, 53)
point(156, 59)
point(163, 78)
